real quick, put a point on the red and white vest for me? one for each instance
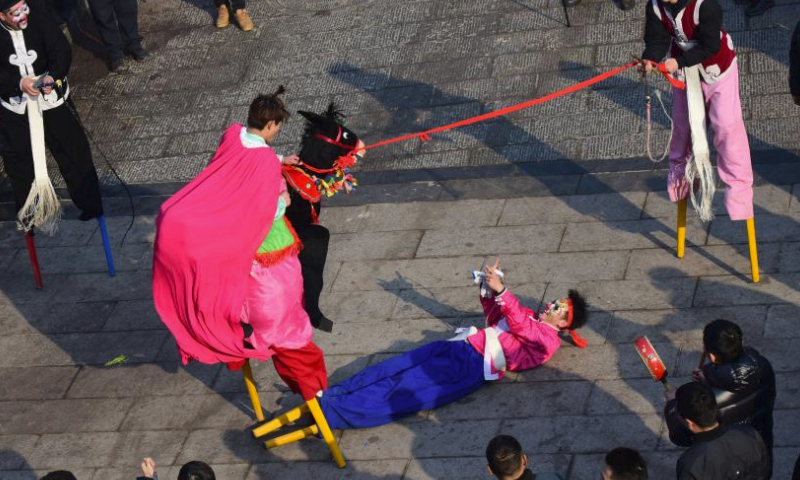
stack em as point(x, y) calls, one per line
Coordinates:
point(682, 29)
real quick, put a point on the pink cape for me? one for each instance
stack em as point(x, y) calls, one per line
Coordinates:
point(206, 238)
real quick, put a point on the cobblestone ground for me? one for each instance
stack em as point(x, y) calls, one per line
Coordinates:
point(559, 192)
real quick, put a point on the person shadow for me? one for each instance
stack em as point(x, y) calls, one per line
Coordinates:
point(15, 466)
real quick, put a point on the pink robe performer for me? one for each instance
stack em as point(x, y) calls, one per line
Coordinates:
point(206, 238)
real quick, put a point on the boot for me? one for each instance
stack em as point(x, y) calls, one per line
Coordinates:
point(223, 16)
point(244, 21)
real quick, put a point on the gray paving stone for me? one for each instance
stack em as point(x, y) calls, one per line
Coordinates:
point(580, 434)
point(383, 336)
point(358, 306)
point(517, 400)
point(373, 245)
point(641, 396)
point(783, 321)
point(104, 449)
point(788, 384)
point(133, 285)
point(405, 440)
point(86, 259)
point(474, 468)
point(787, 430)
point(26, 318)
point(470, 213)
point(133, 315)
point(37, 383)
point(490, 241)
point(188, 412)
point(780, 352)
point(575, 208)
point(628, 235)
point(69, 233)
point(704, 261)
point(14, 451)
point(47, 416)
point(453, 272)
point(682, 326)
point(772, 199)
point(441, 302)
point(660, 293)
point(142, 231)
point(777, 288)
point(150, 379)
point(783, 462)
point(769, 228)
point(342, 219)
point(790, 257)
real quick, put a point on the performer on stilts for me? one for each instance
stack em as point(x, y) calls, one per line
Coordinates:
point(699, 50)
point(34, 112)
point(515, 339)
point(226, 277)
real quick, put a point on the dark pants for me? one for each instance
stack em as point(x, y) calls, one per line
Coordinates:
point(234, 4)
point(67, 141)
point(118, 24)
point(312, 257)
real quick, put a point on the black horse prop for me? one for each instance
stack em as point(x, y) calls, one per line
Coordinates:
point(327, 151)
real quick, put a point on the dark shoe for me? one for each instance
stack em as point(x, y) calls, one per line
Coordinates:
point(627, 4)
point(742, 2)
point(322, 323)
point(571, 3)
point(139, 54)
point(759, 7)
point(85, 216)
point(114, 64)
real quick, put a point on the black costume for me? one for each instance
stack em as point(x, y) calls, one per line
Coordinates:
point(119, 27)
point(745, 393)
point(725, 453)
point(794, 65)
point(46, 51)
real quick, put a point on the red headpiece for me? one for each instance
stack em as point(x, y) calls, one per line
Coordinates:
point(579, 341)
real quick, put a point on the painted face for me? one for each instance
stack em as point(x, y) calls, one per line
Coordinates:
point(556, 310)
point(17, 16)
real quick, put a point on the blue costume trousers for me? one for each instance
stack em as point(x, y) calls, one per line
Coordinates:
point(422, 379)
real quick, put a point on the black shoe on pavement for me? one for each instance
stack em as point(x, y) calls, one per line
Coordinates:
point(759, 7)
point(571, 3)
point(627, 4)
point(139, 54)
point(114, 64)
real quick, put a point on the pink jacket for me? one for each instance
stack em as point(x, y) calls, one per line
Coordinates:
point(527, 343)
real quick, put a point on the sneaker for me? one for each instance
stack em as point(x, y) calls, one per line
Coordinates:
point(244, 21)
point(114, 64)
point(223, 16)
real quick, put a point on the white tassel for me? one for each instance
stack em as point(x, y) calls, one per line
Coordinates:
point(699, 166)
point(42, 208)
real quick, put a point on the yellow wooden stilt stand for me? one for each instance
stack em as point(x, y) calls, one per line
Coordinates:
point(250, 383)
point(681, 227)
point(320, 425)
point(751, 240)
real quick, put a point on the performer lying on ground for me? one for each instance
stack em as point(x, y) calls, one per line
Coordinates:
point(515, 338)
point(226, 278)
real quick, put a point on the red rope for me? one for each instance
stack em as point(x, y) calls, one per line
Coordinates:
point(425, 135)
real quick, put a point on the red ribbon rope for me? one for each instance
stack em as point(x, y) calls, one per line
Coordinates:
point(425, 135)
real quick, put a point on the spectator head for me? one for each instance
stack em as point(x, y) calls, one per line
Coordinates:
point(624, 464)
point(722, 340)
point(505, 457)
point(59, 475)
point(697, 405)
point(196, 471)
point(267, 112)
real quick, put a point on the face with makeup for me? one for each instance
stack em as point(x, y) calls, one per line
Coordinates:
point(16, 17)
point(555, 313)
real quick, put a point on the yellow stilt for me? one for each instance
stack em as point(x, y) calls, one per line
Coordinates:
point(292, 437)
point(251, 390)
point(319, 418)
point(320, 426)
point(681, 227)
point(292, 415)
point(751, 240)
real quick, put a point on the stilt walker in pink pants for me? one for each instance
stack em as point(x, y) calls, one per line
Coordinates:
point(690, 34)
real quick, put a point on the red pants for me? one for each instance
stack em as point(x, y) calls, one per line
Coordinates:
point(303, 369)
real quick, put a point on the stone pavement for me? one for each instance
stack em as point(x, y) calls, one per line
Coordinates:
point(397, 278)
point(560, 192)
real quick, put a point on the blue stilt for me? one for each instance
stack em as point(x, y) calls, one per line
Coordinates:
point(106, 245)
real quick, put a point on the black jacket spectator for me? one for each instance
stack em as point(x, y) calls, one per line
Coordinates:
point(725, 453)
point(745, 394)
point(794, 65)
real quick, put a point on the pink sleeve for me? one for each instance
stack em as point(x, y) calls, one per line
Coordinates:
point(519, 319)
point(491, 311)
